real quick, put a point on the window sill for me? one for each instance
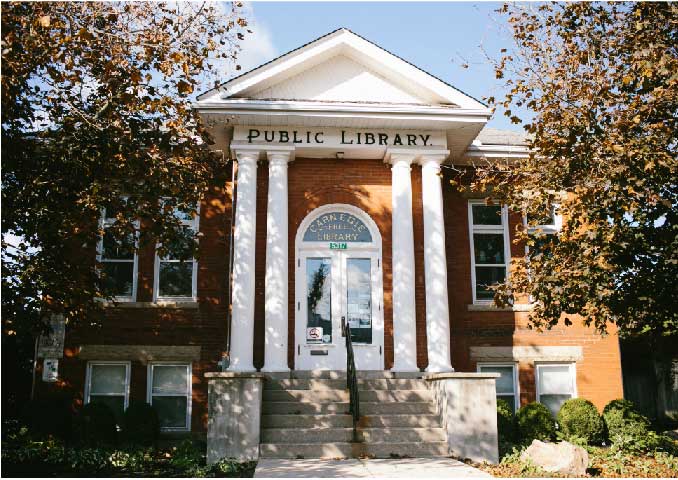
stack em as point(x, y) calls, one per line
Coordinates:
point(490, 307)
point(189, 304)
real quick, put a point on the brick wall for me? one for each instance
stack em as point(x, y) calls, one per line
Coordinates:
point(365, 184)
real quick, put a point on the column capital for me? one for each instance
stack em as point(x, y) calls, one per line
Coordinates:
point(400, 157)
point(247, 155)
point(280, 156)
point(433, 159)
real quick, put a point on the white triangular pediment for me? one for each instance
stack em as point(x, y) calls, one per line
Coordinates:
point(341, 67)
point(339, 79)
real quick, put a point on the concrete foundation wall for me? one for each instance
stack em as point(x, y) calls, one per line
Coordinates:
point(467, 405)
point(234, 420)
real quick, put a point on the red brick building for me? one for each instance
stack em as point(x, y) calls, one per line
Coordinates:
point(341, 209)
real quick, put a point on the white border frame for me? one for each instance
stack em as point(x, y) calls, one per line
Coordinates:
point(573, 374)
point(372, 250)
point(504, 227)
point(189, 394)
point(88, 379)
point(195, 224)
point(516, 379)
point(103, 223)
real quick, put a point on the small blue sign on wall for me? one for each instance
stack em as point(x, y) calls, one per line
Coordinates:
point(337, 227)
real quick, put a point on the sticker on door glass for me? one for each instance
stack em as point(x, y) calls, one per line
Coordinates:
point(314, 334)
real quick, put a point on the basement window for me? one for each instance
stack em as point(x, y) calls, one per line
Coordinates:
point(175, 274)
point(556, 383)
point(488, 227)
point(169, 391)
point(108, 383)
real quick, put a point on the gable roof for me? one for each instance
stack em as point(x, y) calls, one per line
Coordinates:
point(342, 41)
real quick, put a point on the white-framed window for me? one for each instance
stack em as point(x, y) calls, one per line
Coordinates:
point(556, 383)
point(169, 391)
point(118, 260)
point(507, 384)
point(490, 253)
point(550, 224)
point(177, 279)
point(108, 383)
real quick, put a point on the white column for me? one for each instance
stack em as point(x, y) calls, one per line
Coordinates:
point(242, 319)
point(435, 266)
point(275, 306)
point(404, 312)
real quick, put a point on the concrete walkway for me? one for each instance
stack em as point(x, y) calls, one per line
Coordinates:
point(366, 468)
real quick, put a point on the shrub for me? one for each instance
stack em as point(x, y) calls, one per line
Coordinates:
point(49, 415)
point(140, 424)
point(95, 425)
point(534, 421)
point(505, 425)
point(629, 431)
point(579, 418)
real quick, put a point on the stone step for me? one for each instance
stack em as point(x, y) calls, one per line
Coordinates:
point(340, 384)
point(338, 420)
point(322, 396)
point(338, 435)
point(353, 450)
point(366, 408)
point(400, 435)
point(306, 435)
point(336, 374)
point(306, 421)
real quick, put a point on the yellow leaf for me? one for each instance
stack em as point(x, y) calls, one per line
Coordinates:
point(44, 21)
point(184, 87)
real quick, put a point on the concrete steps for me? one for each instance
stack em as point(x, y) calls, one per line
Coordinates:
point(309, 417)
point(353, 450)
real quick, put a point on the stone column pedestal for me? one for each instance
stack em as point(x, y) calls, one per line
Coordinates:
point(234, 416)
point(467, 405)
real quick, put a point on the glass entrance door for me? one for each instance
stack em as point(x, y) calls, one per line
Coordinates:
point(338, 285)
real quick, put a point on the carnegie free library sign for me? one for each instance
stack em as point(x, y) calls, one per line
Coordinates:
point(337, 227)
point(337, 137)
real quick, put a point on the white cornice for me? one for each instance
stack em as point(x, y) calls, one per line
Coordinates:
point(497, 151)
point(302, 108)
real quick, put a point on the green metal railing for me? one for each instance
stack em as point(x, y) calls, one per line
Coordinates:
point(351, 378)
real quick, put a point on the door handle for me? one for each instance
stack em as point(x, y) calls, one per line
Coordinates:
point(298, 349)
point(343, 326)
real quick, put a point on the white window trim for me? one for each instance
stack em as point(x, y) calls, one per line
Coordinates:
point(503, 229)
point(88, 380)
point(189, 394)
point(573, 375)
point(545, 229)
point(104, 222)
point(516, 382)
point(195, 225)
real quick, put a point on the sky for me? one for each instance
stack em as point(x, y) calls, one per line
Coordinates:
point(438, 37)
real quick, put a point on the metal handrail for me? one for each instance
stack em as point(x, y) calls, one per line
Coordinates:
point(351, 379)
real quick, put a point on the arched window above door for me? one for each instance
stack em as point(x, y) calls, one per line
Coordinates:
point(337, 226)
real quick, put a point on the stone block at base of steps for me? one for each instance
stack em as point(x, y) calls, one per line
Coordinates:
point(353, 450)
